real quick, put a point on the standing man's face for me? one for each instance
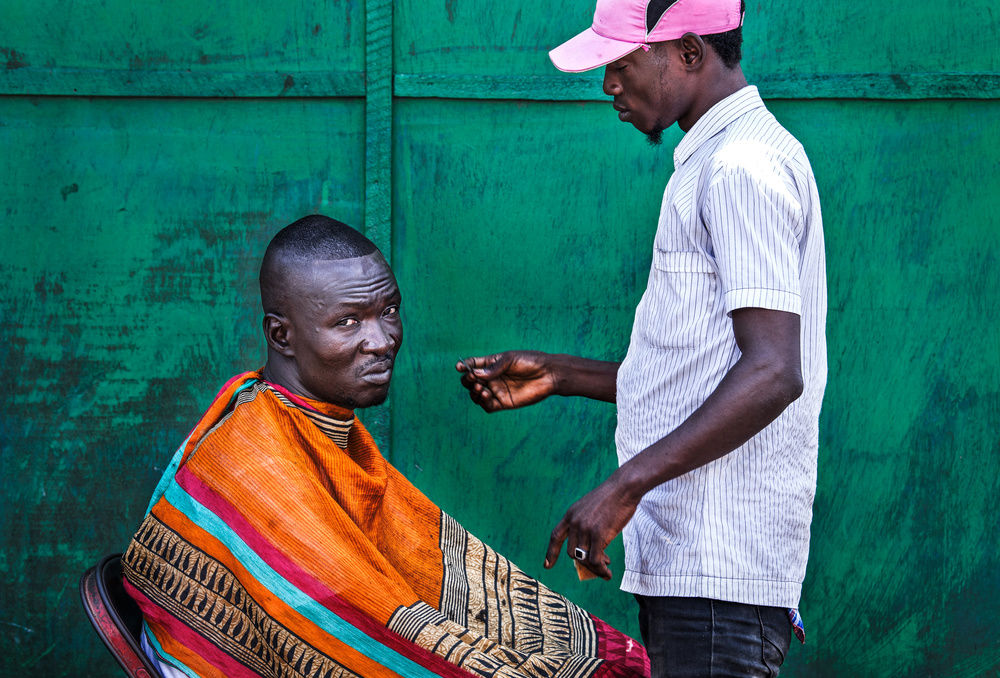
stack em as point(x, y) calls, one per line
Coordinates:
point(647, 89)
point(344, 330)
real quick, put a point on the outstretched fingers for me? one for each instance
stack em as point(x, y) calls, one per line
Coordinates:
point(476, 373)
point(556, 540)
point(480, 366)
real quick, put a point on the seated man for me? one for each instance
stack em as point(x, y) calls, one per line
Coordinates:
point(281, 543)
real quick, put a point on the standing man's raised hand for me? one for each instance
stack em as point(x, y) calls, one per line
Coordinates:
point(505, 381)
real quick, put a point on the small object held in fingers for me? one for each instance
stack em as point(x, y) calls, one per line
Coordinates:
point(468, 367)
point(579, 553)
point(582, 573)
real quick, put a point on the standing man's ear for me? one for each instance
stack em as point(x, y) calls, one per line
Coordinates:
point(692, 50)
point(277, 331)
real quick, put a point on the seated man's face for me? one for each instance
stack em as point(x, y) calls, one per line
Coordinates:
point(345, 329)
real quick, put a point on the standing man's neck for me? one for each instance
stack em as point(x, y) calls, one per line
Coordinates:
point(719, 85)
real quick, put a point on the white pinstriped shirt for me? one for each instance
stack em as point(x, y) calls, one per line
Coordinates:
point(739, 227)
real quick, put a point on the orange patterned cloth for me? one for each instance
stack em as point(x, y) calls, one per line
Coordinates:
point(281, 543)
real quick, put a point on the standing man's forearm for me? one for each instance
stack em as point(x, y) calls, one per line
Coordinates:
point(758, 388)
point(584, 377)
point(512, 379)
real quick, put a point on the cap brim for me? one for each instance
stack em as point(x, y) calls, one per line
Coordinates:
point(588, 51)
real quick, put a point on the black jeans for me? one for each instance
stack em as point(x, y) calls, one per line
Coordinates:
point(702, 638)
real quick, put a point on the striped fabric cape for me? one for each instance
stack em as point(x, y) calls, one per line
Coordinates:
point(281, 543)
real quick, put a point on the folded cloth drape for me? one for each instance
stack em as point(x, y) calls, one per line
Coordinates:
point(281, 543)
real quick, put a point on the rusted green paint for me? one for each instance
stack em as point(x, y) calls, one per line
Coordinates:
point(903, 576)
point(462, 37)
point(253, 36)
point(518, 213)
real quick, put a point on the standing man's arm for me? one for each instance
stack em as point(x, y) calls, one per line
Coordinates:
point(513, 379)
point(763, 382)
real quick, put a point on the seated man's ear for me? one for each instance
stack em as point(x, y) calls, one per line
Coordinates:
point(277, 330)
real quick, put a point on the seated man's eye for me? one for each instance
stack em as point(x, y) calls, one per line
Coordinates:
point(348, 321)
point(392, 310)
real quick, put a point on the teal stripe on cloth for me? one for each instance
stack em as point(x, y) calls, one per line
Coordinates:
point(175, 663)
point(288, 592)
point(175, 461)
point(168, 475)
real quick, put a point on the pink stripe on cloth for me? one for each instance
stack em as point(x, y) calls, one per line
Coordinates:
point(187, 438)
point(308, 584)
point(291, 396)
point(187, 637)
point(230, 383)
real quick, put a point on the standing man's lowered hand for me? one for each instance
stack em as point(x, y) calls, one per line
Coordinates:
point(591, 523)
point(508, 380)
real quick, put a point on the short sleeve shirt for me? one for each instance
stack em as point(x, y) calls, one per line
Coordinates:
point(739, 227)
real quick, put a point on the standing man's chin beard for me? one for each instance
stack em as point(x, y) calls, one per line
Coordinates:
point(655, 136)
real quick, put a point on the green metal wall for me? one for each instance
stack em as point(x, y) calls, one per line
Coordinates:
point(149, 153)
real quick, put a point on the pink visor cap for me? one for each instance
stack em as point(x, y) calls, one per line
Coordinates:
point(623, 26)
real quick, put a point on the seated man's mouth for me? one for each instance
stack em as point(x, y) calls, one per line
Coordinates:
point(378, 378)
point(378, 373)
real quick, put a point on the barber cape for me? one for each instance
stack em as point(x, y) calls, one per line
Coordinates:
point(280, 542)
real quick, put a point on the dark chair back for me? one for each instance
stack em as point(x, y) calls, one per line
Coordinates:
point(115, 616)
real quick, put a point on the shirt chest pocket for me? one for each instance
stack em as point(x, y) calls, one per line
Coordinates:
point(680, 299)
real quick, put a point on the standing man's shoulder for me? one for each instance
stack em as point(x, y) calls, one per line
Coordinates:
point(755, 146)
point(756, 135)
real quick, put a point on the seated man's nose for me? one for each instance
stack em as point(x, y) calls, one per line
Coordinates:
point(378, 340)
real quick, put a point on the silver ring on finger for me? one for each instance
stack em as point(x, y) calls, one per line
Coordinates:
point(579, 553)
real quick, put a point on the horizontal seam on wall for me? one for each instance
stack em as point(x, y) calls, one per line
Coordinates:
point(31, 81)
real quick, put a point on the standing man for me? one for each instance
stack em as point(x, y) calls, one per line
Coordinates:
point(719, 394)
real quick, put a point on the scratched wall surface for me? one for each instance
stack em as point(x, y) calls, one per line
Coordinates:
point(463, 36)
point(150, 152)
point(903, 576)
point(180, 48)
